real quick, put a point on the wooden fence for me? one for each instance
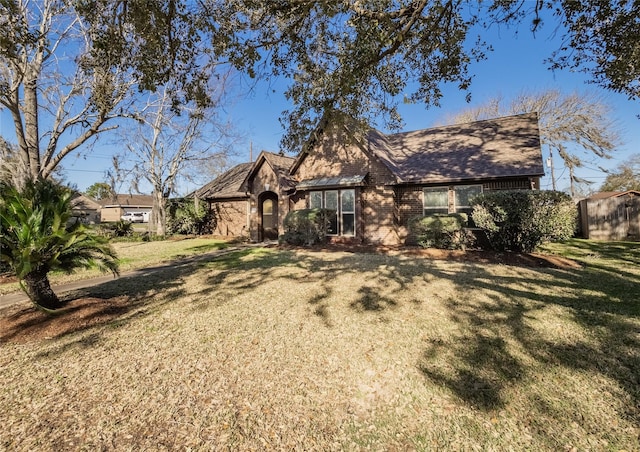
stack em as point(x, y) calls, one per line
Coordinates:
point(611, 218)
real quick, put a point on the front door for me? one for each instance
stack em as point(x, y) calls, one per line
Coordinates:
point(269, 218)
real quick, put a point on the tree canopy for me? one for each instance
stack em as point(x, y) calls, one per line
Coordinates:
point(602, 39)
point(69, 69)
point(575, 126)
point(358, 59)
point(99, 190)
point(625, 177)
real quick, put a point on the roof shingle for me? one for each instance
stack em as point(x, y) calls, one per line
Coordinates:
point(501, 147)
point(228, 185)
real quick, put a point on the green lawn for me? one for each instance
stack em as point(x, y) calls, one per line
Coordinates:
point(283, 349)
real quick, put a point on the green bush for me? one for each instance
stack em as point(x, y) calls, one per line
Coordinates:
point(185, 218)
point(306, 227)
point(444, 231)
point(521, 220)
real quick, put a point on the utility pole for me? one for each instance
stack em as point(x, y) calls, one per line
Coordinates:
point(550, 165)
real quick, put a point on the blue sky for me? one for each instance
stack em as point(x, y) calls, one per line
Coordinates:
point(515, 65)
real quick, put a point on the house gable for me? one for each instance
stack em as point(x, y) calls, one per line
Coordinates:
point(272, 170)
point(340, 157)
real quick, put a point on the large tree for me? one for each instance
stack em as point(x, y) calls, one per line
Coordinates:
point(99, 191)
point(358, 60)
point(626, 176)
point(68, 69)
point(574, 126)
point(170, 143)
point(602, 39)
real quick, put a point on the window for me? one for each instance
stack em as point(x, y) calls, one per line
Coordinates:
point(315, 200)
point(464, 194)
point(348, 212)
point(436, 200)
point(343, 203)
point(331, 203)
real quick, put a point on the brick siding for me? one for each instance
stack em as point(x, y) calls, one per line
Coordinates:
point(230, 218)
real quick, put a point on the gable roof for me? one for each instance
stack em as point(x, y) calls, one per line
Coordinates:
point(614, 194)
point(84, 202)
point(229, 184)
point(280, 165)
point(501, 147)
point(127, 200)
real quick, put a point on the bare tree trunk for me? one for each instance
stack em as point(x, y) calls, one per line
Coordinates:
point(38, 288)
point(160, 212)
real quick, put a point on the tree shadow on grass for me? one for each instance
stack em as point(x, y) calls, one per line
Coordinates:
point(496, 348)
point(498, 343)
point(113, 303)
point(370, 299)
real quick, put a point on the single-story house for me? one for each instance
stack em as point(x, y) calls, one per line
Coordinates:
point(610, 215)
point(375, 182)
point(113, 208)
point(228, 197)
point(85, 208)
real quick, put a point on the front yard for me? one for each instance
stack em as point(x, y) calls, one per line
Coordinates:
point(290, 349)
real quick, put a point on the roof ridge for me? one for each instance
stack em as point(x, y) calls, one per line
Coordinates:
point(468, 123)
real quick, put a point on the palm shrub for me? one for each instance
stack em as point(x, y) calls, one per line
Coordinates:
point(37, 237)
point(521, 220)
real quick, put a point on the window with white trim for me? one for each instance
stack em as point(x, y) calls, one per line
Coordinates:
point(343, 202)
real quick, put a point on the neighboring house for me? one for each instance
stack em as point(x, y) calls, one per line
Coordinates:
point(376, 182)
point(113, 208)
point(85, 208)
point(610, 216)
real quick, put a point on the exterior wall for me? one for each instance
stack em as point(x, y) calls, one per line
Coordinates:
point(611, 218)
point(265, 181)
point(333, 158)
point(231, 217)
point(409, 200)
point(374, 201)
point(108, 214)
point(378, 210)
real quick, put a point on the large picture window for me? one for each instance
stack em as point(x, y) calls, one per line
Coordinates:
point(343, 203)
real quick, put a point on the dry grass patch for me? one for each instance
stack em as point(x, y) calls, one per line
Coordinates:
point(330, 351)
point(132, 256)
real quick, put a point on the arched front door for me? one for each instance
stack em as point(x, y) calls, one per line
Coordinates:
point(269, 209)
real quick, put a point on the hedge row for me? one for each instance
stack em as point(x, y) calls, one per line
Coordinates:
point(518, 220)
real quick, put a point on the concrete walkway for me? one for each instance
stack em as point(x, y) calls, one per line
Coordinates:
point(20, 297)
